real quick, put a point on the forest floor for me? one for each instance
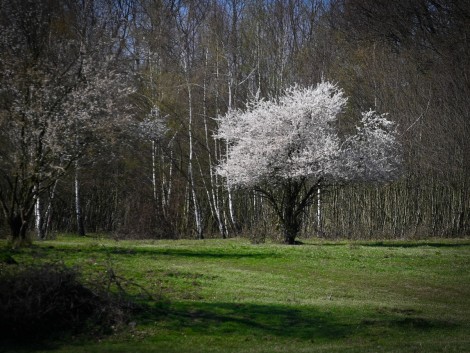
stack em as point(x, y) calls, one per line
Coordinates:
point(233, 296)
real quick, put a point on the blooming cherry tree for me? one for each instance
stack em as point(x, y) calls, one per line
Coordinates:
point(283, 148)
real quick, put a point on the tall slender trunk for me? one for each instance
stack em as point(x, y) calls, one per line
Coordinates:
point(166, 183)
point(154, 173)
point(78, 205)
point(319, 222)
point(48, 212)
point(211, 188)
point(232, 210)
point(197, 213)
point(229, 191)
point(38, 215)
point(217, 196)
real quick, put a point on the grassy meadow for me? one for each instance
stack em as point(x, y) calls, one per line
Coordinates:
point(234, 296)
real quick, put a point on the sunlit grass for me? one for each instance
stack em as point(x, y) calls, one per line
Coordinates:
point(232, 296)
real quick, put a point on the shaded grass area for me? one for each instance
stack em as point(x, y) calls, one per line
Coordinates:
point(231, 296)
point(281, 321)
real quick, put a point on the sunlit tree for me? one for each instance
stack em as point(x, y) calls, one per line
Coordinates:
point(284, 148)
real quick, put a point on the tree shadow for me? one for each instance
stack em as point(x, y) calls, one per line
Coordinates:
point(325, 243)
point(304, 323)
point(250, 319)
point(416, 244)
point(45, 252)
point(214, 254)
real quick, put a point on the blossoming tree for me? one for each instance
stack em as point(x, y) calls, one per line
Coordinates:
point(58, 95)
point(283, 148)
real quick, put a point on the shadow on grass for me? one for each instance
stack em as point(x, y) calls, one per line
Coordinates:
point(394, 244)
point(305, 323)
point(216, 254)
point(416, 244)
point(256, 321)
point(251, 320)
point(61, 252)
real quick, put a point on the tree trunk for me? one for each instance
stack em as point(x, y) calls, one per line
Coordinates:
point(78, 205)
point(319, 223)
point(48, 213)
point(39, 219)
point(291, 222)
point(154, 173)
point(197, 214)
point(289, 204)
point(291, 230)
point(18, 228)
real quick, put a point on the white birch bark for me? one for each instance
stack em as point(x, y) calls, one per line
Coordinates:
point(211, 189)
point(229, 191)
point(197, 213)
point(38, 216)
point(319, 225)
point(78, 205)
point(166, 183)
point(154, 173)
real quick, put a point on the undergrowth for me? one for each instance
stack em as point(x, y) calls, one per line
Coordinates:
point(41, 301)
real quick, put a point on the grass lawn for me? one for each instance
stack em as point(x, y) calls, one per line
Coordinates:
point(232, 296)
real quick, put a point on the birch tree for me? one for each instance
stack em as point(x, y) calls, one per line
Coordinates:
point(153, 129)
point(283, 148)
point(188, 18)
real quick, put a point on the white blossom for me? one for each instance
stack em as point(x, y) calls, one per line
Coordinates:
point(153, 126)
point(296, 136)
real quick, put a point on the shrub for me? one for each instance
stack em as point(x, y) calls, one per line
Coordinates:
point(41, 301)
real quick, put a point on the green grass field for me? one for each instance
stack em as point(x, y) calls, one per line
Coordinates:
point(232, 296)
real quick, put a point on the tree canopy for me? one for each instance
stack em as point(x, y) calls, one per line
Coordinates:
point(293, 143)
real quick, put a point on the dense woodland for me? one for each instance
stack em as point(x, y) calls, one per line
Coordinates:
point(108, 110)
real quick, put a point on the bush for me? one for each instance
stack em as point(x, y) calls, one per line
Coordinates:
point(38, 302)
